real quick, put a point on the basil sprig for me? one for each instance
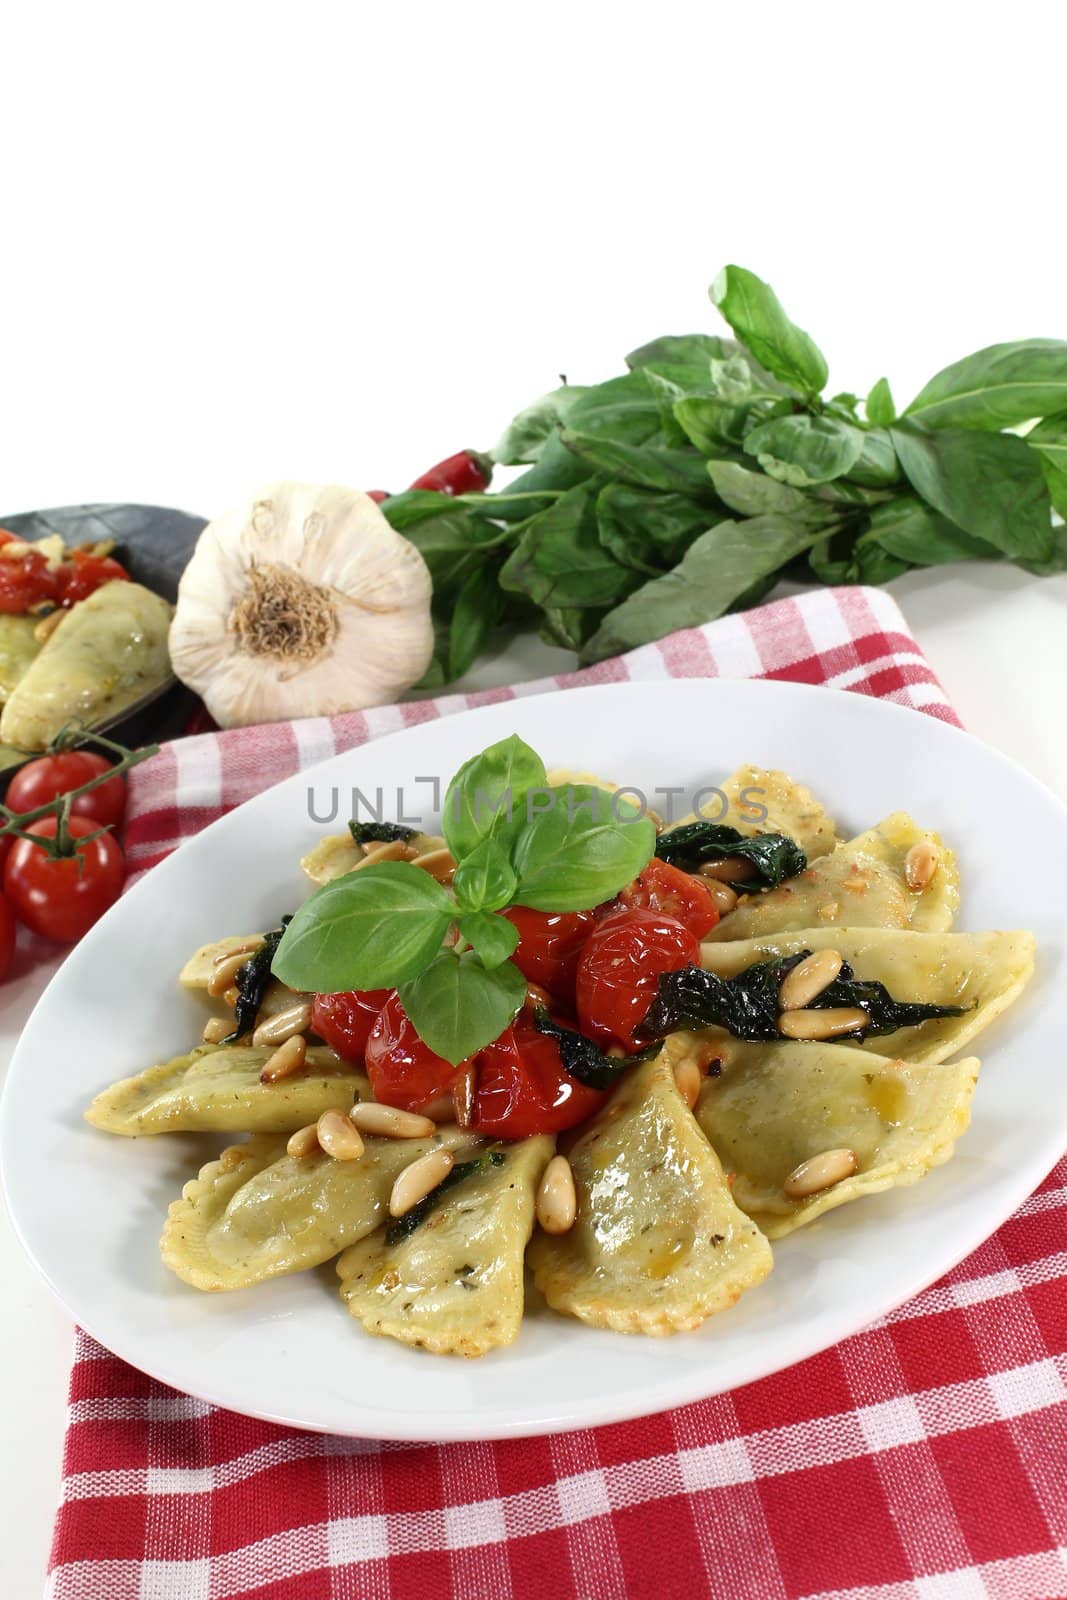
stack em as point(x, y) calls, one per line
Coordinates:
point(516, 841)
point(774, 856)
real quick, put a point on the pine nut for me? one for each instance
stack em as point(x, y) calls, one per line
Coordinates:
point(287, 1059)
point(225, 971)
point(283, 1024)
point(246, 947)
point(14, 550)
point(688, 1079)
point(557, 1203)
point(417, 1181)
point(536, 997)
point(387, 1122)
point(729, 869)
point(304, 1142)
point(723, 897)
point(232, 996)
point(48, 625)
point(463, 1091)
point(389, 850)
point(828, 1023)
point(338, 1136)
point(807, 980)
point(216, 1029)
point(920, 864)
point(440, 864)
point(819, 1172)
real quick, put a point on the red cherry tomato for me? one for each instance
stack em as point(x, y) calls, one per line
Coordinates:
point(42, 780)
point(522, 1087)
point(550, 943)
point(84, 573)
point(619, 970)
point(62, 898)
point(7, 937)
point(402, 1070)
point(345, 1020)
point(26, 581)
point(661, 887)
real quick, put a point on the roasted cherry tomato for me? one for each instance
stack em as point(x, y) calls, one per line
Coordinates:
point(61, 897)
point(345, 1020)
point(402, 1070)
point(550, 943)
point(7, 936)
point(619, 969)
point(522, 1088)
point(661, 887)
point(26, 580)
point(42, 780)
point(84, 573)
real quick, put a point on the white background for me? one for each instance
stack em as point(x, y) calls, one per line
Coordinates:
point(337, 242)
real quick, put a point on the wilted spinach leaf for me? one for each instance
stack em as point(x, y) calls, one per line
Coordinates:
point(405, 1226)
point(380, 832)
point(252, 980)
point(580, 1056)
point(775, 856)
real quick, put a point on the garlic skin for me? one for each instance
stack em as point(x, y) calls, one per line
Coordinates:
point(301, 602)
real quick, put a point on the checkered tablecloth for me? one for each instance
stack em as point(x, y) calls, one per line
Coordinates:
point(923, 1459)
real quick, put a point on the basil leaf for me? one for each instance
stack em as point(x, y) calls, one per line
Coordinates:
point(997, 387)
point(713, 425)
point(556, 469)
point(626, 409)
point(1049, 439)
point(367, 930)
point(560, 561)
point(581, 1057)
point(747, 1004)
point(989, 484)
point(805, 450)
point(647, 466)
point(877, 466)
point(774, 856)
point(452, 540)
point(754, 494)
point(380, 832)
point(456, 1007)
point(475, 613)
point(876, 565)
point(647, 531)
point(911, 530)
point(667, 392)
point(485, 879)
point(486, 797)
point(582, 851)
point(494, 938)
point(526, 435)
point(753, 311)
point(714, 574)
point(569, 626)
point(696, 350)
point(879, 405)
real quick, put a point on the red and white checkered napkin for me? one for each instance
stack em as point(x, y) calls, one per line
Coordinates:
point(924, 1459)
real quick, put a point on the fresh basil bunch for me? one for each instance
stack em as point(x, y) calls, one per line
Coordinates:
point(690, 485)
point(516, 841)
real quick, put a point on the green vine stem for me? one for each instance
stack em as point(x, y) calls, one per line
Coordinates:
point(17, 822)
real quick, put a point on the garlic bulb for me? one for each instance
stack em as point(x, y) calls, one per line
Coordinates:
point(302, 602)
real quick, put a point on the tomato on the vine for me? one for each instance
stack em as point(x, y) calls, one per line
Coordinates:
point(84, 573)
point(61, 897)
point(522, 1087)
point(662, 887)
point(550, 943)
point(619, 971)
point(43, 780)
point(402, 1070)
point(7, 937)
point(345, 1020)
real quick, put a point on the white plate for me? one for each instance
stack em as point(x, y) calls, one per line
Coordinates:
point(88, 1208)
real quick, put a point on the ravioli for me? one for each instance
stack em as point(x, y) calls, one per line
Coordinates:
point(200, 966)
point(18, 647)
point(110, 651)
point(982, 971)
point(790, 807)
point(659, 1244)
point(339, 853)
point(218, 1091)
point(860, 884)
point(773, 1106)
point(258, 1212)
point(454, 1285)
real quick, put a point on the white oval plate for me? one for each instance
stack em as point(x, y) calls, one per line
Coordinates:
point(89, 1208)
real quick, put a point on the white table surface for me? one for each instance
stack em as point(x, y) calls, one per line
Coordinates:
point(998, 640)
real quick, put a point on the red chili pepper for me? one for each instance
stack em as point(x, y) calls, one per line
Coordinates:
point(464, 473)
point(378, 494)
